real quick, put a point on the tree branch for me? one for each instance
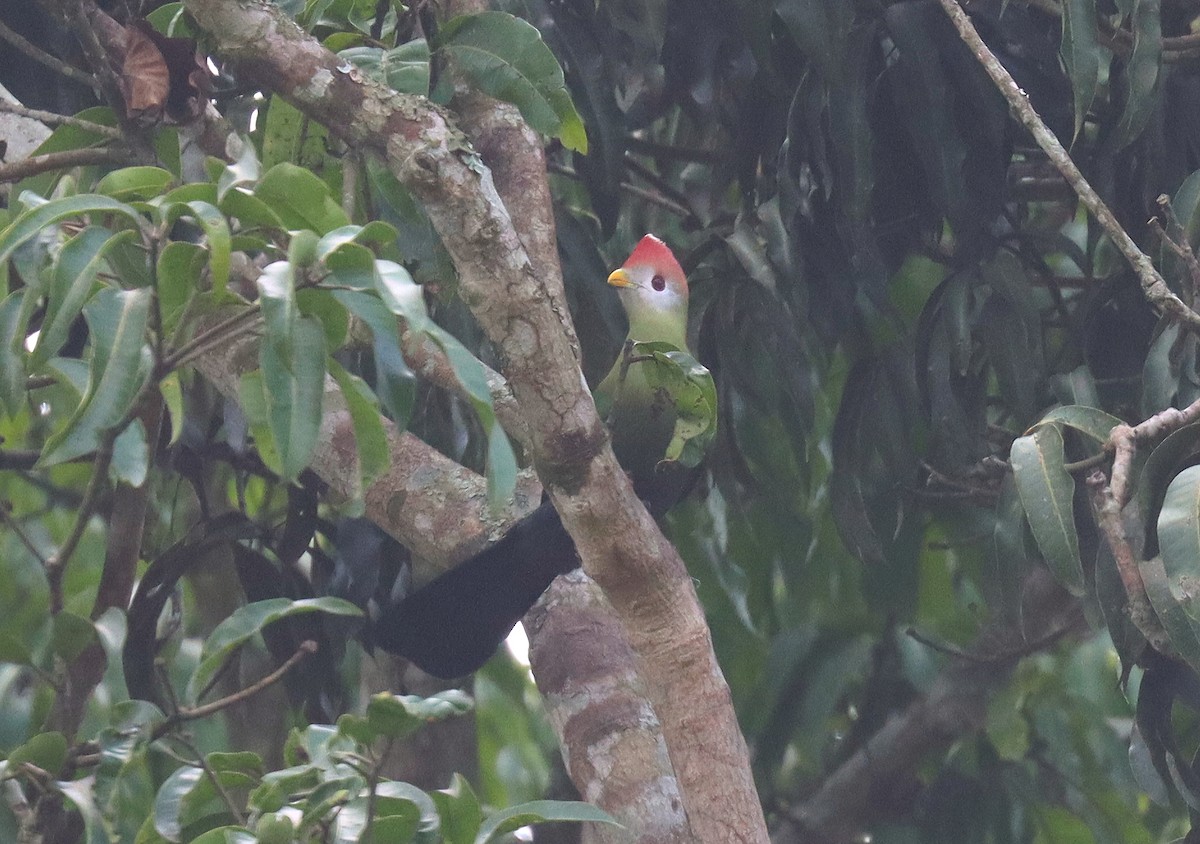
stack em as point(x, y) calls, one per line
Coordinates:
point(578, 651)
point(1153, 287)
point(58, 160)
point(955, 706)
point(621, 546)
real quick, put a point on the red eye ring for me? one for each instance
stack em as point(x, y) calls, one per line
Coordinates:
point(658, 283)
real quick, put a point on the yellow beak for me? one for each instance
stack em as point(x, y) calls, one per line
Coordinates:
point(620, 278)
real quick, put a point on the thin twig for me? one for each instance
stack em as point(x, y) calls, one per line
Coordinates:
point(220, 333)
point(1027, 647)
point(656, 181)
point(1108, 512)
point(15, 527)
point(35, 164)
point(51, 118)
point(642, 146)
point(1087, 463)
point(1176, 239)
point(42, 57)
point(38, 382)
point(636, 190)
point(202, 763)
point(1153, 286)
point(307, 647)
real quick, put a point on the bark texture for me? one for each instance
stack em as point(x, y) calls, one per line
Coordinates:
point(621, 546)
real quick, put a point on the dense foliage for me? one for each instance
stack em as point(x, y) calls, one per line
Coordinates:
point(911, 539)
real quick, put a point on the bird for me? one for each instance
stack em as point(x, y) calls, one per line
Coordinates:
point(453, 624)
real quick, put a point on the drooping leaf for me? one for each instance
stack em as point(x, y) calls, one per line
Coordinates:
point(395, 383)
point(131, 455)
point(121, 363)
point(1091, 421)
point(405, 299)
point(1081, 53)
point(30, 222)
point(1179, 540)
point(460, 811)
point(1047, 491)
point(370, 440)
point(168, 803)
point(848, 496)
point(216, 233)
point(1164, 461)
point(292, 356)
point(506, 58)
point(75, 269)
point(401, 715)
point(1139, 81)
point(134, 183)
point(300, 199)
point(12, 357)
point(249, 620)
point(1170, 603)
point(404, 68)
point(79, 793)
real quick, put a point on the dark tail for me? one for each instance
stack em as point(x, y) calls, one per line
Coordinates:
point(452, 625)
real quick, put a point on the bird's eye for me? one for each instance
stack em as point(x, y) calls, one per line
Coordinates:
point(658, 283)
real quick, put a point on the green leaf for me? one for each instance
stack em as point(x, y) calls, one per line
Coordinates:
point(395, 383)
point(1046, 491)
point(1171, 605)
point(121, 363)
point(539, 811)
point(404, 68)
point(172, 393)
point(1139, 81)
point(72, 635)
point(75, 269)
point(216, 232)
point(505, 57)
point(401, 812)
point(400, 715)
point(278, 786)
point(47, 751)
point(292, 356)
point(244, 171)
point(370, 439)
point(300, 199)
point(501, 461)
point(131, 455)
point(79, 793)
point(1179, 540)
point(1091, 421)
point(12, 353)
point(249, 620)
point(30, 223)
point(459, 810)
point(169, 802)
point(404, 297)
point(252, 396)
point(1160, 467)
point(295, 392)
point(250, 211)
point(1081, 54)
point(1007, 727)
point(375, 232)
point(135, 183)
